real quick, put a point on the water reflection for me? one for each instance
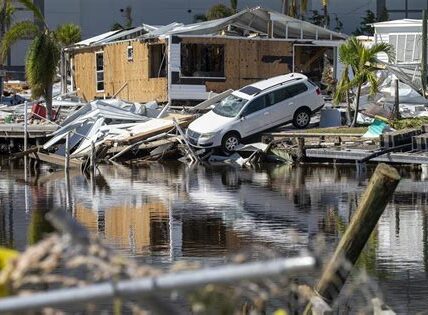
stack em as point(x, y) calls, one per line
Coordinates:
point(165, 212)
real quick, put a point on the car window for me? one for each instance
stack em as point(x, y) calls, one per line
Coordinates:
point(230, 106)
point(280, 95)
point(296, 89)
point(256, 105)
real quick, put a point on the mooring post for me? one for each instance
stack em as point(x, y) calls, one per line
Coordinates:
point(397, 99)
point(25, 138)
point(93, 157)
point(25, 125)
point(67, 151)
point(373, 202)
point(300, 149)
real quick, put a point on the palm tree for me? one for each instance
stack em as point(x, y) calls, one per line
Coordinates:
point(362, 61)
point(294, 8)
point(6, 13)
point(43, 54)
point(325, 10)
point(68, 34)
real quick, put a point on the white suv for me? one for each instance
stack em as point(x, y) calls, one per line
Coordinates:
point(255, 108)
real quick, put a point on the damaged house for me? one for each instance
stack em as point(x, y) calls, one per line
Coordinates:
point(177, 62)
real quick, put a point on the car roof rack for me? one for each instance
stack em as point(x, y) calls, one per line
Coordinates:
point(278, 84)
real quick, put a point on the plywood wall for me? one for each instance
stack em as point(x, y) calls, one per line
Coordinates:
point(248, 61)
point(118, 70)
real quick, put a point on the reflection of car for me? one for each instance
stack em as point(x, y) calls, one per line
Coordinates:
point(255, 108)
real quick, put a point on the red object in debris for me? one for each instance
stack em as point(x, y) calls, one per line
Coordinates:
point(39, 111)
point(318, 91)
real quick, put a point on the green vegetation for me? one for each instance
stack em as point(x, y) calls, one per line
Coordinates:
point(68, 34)
point(44, 52)
point(362, 60)
point(405, 123)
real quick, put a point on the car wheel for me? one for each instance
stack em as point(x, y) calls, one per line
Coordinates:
point(230, 142)
point(302, 118)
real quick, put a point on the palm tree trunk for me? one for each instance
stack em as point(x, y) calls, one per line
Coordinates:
point(357, 105)
point(348, 112)
point(3, 13)
point(326, 22)
point(48, 100)
point(285, 5)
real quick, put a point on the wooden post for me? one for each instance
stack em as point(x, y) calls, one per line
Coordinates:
point(67, 152)
point(300, 149)
point(25, 138)
point(397, 100)
point(373, 202)
point(93, 157)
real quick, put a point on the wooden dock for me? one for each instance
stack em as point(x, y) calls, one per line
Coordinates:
point(338, 154)
point(16, 130)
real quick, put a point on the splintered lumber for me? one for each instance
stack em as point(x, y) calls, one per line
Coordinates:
point(55, 159)
point(20, 155)
point(182, 122)
point(374, 200)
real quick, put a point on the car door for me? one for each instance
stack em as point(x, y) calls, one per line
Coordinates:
point(286, 101)
point(255, 116)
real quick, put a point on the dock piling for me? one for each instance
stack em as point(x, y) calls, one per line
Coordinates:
point(373, 202)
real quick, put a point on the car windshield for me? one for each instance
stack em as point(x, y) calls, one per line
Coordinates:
point(230, 106)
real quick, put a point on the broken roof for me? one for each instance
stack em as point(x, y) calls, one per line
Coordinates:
point(246, 23)
point(254, 20)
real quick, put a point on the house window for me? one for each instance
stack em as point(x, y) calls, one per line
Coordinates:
point(99, 64)
point(130, 53)
point(202, 60)
point(157, 60)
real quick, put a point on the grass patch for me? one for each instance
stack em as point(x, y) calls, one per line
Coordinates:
point(405, 123)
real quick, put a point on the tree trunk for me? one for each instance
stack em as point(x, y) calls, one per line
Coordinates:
point(48, 99)
point(285, 5)
point(3, 8)
point(348, 111)
point(357, 105)
point(326, 19)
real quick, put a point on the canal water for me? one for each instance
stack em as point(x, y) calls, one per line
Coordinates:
point(165, 212)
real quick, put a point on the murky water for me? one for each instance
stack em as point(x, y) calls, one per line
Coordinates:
point(160, 213)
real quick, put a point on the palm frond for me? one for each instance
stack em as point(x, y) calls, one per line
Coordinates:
point(382, 48)
point(374, 84)
point(21, 30)
point(35, 9)
point(68, 34)
point(41, 64)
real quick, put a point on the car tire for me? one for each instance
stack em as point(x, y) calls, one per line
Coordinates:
point(302, 118)
point(230, 142)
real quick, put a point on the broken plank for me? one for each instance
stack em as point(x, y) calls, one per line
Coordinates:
point(55, 159)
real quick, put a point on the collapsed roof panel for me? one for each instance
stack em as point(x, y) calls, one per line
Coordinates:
point(256, 20)
point(251, 22)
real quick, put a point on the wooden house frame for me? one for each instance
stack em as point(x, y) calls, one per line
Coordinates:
point(179, 63)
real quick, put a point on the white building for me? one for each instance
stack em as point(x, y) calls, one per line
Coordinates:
point(405, 36)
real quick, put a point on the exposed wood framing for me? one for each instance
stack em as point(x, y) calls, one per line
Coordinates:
point(118, 70)
point(247, 61)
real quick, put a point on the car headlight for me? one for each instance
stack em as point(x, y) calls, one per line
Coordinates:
point(208, 135)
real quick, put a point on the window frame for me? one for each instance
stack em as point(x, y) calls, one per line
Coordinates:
point(203, 77)
point(243, 113)
point(99, 71)
point(129, 49)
